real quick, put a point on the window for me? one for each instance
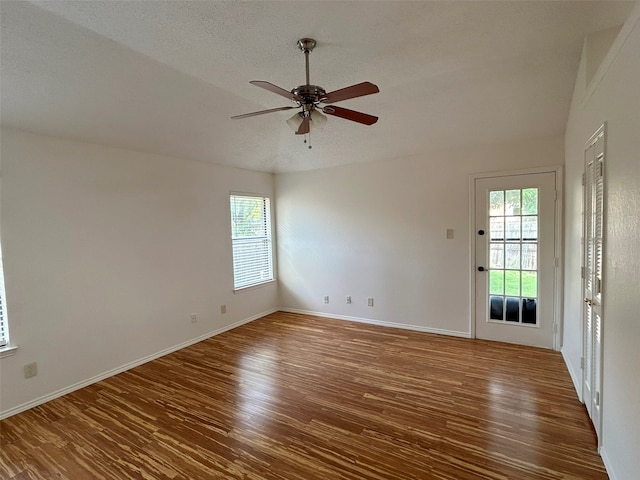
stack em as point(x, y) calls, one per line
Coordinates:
point(4, 328)
point(251, 240)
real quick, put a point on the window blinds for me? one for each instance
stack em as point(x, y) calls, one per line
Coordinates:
point(251, 240)
point(3, 324)
point(4, 329)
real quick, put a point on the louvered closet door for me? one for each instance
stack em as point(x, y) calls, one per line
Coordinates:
point(593, 259)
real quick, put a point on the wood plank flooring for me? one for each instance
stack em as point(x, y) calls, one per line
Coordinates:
point(297, 397)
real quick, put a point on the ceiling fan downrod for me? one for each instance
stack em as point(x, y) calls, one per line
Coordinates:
point(306, 45)
point(307, 96)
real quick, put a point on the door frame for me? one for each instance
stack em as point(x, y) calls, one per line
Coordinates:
point(558, 246)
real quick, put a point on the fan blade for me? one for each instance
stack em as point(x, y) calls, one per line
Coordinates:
point(275, 89)
point(261, 112)
point(359, 90)
point(351, 115)
point(304, 127)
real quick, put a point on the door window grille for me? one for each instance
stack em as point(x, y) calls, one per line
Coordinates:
point(513, 256)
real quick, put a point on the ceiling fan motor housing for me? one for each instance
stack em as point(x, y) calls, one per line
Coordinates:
point(309, 94)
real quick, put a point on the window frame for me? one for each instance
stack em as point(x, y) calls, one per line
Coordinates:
point(268, 237)
point(4, 325)
point(6, 349)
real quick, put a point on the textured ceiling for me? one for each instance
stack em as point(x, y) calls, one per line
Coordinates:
point(165, 76)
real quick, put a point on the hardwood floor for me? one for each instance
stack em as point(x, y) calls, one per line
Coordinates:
point(298, 397)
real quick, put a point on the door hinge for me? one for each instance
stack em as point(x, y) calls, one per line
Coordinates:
point(583, 179)
point(598, 286)
point(555, 328)
point(600, 168)
point(597, 399)
point(582, 363)
point(581, 272)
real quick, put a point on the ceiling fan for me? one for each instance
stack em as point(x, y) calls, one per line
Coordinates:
point(308, 98)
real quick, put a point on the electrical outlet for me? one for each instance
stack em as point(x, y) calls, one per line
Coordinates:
point(194, 318)
point(223, 309)
point(30, 370)
point(370, 301)
point(326, 299)
point(348, 298)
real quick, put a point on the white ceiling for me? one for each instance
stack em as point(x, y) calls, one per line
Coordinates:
point(165, 76)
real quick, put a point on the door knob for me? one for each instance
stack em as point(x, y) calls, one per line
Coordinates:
point(481, 269)
point(588, 301)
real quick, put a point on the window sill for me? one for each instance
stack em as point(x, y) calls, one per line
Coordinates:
point(255, 285)
point(8, 351)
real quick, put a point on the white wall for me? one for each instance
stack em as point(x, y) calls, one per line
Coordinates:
point(616, 100)
point(596, 47)
point(379, 230)
point(107, 253)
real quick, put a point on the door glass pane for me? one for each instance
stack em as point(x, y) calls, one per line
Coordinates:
point(530, 201)
point(513, 255)
point(529, 284)
point(496, 228)
point(496, 255)
point(512, 282)
point(512, 227)
point(496, 203)
point(513, 310)
point(529, 311)
point(496, 282)
point(530, 229)
point(496, 308)
point(529, 256)
point(512, 202)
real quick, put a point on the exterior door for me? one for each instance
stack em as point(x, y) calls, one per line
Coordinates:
point(592, 276)
point(515, 258)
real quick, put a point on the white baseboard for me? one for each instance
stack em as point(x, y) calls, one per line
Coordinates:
point(417, 328)
point(607, 464)
point(575, 378)
point(128, 366)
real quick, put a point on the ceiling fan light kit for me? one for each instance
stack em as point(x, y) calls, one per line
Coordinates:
point(317, 120)
point(307, 99)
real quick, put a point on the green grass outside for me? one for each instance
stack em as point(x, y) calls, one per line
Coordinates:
point(507, 282)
